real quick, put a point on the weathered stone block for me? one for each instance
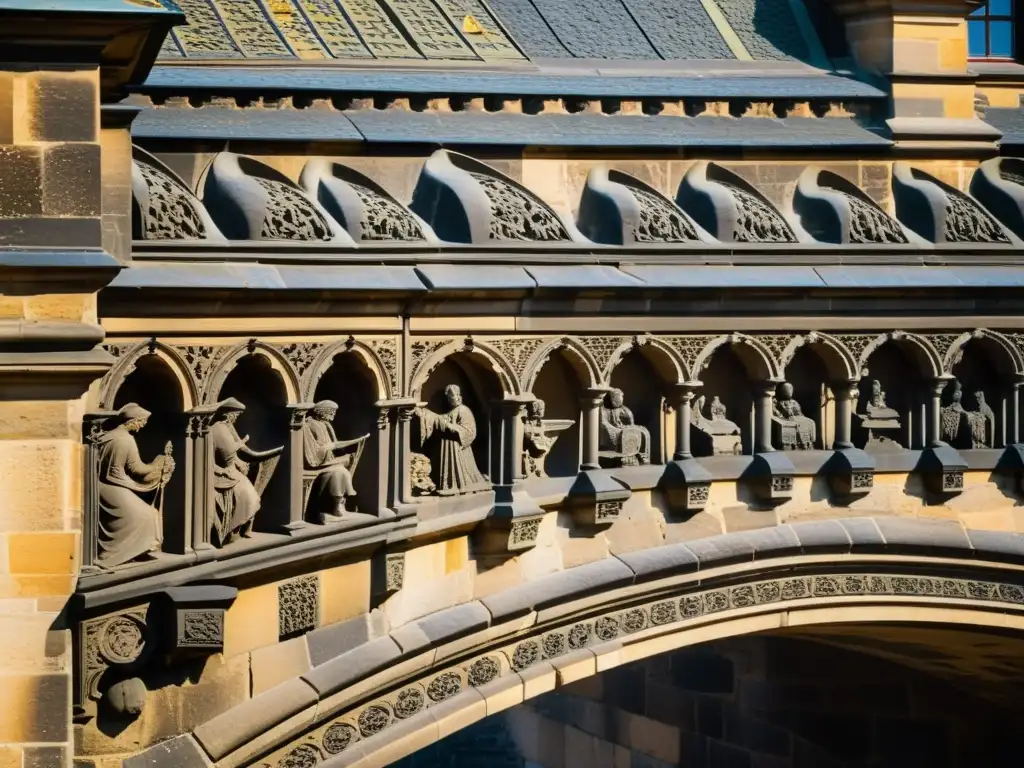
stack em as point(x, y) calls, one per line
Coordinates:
point(45, 757)
point(61, 306)
point(52, 232)
point(36, 478)
point(43, 553)
point(21, 170)
point(6, 113)
point(251, 621)
point(71, 180)
point(35, 708)
point(65, 107)
point(277, 663)
point(36, 420)
point(344, 592)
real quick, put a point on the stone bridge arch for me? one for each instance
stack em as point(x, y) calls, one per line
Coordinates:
point(379, 700)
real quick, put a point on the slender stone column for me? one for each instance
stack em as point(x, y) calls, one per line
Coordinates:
point(683, 399)
point(199, 473)
point(764, 392)
point(590, 403)
point(846, 393)
point(401, 454)
point(506, 449)
point(1012, 411)
point(933, 414)
point(294, 464)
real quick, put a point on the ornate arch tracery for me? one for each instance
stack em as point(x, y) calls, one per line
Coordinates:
point(665, 360)
point(380, 360)
point(428, 355)
point(278, 362)
point(1012, 360)
point(757, 358)
point(578, 356)
point(920, 348)
point(129, 358)
point(840, 361)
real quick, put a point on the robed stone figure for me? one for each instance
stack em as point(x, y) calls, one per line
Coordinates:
point(238, 498)
point(333, 460)
point(620, 434)
point(456, 431)
point(129, 526)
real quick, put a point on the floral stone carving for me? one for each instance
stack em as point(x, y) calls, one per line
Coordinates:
point(833, 210)
point(939, 212)
point(163, 208)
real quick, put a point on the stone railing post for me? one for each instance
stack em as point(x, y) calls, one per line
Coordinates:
point(294, 464)
point(764, 393)
point(933, 413)
point(401, 450)
point(683, 399)
point(199, 477)
point(590, 404)
point(846, 393)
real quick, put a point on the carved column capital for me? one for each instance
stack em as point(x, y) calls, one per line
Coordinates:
point(593, 397)
point(297, 414)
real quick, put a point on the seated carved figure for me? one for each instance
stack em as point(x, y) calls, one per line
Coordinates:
point(238, 497)
point(622, 440)
point(539, 436)
point(724, 436)
point(880, 422)
point(792, 430)
point(330, 463)
point(129, 527)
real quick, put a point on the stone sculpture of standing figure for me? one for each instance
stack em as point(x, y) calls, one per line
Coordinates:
point(238, 498)
point(331, 459)
point(129, 527)
point(456, 430)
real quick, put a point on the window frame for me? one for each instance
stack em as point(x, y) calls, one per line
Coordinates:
point(986, 20)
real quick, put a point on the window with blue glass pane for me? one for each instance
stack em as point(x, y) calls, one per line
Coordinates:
point(990, 31)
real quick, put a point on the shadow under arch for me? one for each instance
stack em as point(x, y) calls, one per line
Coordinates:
point(560, 381)
point(253, 348)
point(371, 359)
point(815, 365)
point(986, 371)
point(917, 348)
point(128, 362)
point(483, 355)
point(575, 354)
point(570, 625)
point(1000, 350)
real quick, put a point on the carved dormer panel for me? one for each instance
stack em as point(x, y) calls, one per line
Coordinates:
point(163, 207)
point(939, 212)
point(466, 201)
point(998, 184)
point(366, 210)
point(730, 208)
point(833, 210)
point(619, 209)
point(249, 200)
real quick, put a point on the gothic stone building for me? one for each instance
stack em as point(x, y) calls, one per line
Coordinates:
point(562, 382)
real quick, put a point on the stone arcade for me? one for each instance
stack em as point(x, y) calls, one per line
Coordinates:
point(374, 367)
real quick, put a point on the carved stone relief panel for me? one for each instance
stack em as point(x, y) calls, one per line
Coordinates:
point(119, 640)
point(618, 209)
point(939, 212)
point(834, 210)
point(298, 606)
point(249, 200)
point(163, 208)
point(729, 208)
point(466, 201)
point(361, 205)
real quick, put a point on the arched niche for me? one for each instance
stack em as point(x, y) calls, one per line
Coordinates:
point(728, 377)
point(259, 385)
point(560, 384)
point(982, 364)
point(897, 367)
point(643, 387)
point(479, 386)
point(155, 386)
point(815, 366)
point(350, 383)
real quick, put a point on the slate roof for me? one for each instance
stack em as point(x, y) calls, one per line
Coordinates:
point(1010, 122)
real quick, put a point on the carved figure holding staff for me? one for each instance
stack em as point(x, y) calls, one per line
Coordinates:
point(129, 527)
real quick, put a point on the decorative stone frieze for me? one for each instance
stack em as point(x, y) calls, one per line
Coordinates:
point(833, 210)
point(193, 618)
point(940, 213)
point(298, 606)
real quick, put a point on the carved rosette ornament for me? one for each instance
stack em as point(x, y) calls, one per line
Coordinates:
point(113, 641)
